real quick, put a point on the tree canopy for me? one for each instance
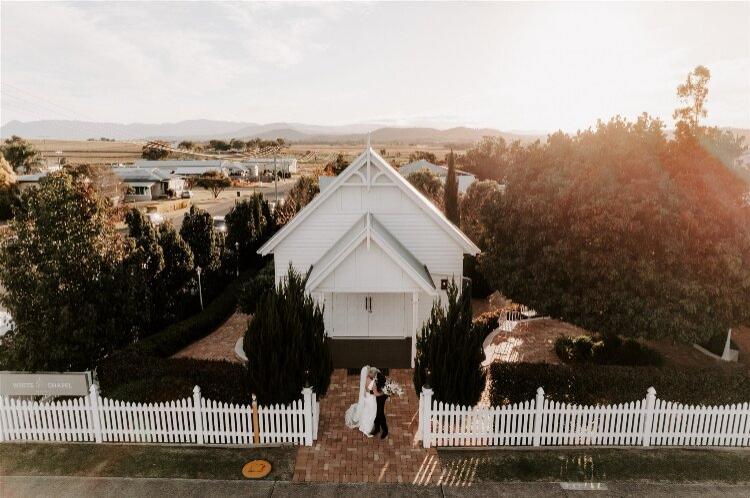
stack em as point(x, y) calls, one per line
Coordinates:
point(67, 282)
point(421, 154)
point(430, 185)
point(155, 152)
point(249, 225)
point(214, 181)
point(21, 155)
point(299, 196)
point(620, 230)
point(452, 211)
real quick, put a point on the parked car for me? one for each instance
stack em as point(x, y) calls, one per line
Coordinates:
point(187, 194)
point(220, 224)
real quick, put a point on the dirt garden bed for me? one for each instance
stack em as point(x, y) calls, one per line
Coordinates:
point(533, 342)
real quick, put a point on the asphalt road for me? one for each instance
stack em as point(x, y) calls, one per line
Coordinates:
point(63, 487)
point(221, 205)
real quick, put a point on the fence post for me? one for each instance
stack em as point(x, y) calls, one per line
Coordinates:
point(538, 410)
point(425, 409)
point(256, 421)
point(2, 418)
point(316, 415)
point(309, 417)
point(649, 416)
point(94, 403)
point(198, 411)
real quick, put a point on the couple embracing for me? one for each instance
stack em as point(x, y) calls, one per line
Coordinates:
point(368, 413)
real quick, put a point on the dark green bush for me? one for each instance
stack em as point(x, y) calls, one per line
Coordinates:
point(180, 334)
point(9, 200)
point(253, 290)
point(591, 384)
point(286, 344)
point(606, 349)
point(450, 345)
point(137, 378)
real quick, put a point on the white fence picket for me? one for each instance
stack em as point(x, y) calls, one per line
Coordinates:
point(194, 420)
point(650, 421)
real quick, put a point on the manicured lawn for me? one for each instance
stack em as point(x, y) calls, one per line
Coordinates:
point(113, 460)
point(596, 465)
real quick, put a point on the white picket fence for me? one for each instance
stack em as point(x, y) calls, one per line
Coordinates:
point(542, 422)
point(195, 420)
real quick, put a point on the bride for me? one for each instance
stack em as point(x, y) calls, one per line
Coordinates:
point(361, 415)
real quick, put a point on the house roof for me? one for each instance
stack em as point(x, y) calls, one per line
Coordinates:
point(398, 180)
point(179, 163)
point(32, 178)
point(437, 169)
point(130, 175)
point(423, 164)
point(193, 170)
point(368, 227)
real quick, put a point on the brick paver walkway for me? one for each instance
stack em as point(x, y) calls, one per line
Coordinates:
point(342, 454)
point(219, 344)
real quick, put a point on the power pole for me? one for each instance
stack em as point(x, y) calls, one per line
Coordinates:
point(275, 178)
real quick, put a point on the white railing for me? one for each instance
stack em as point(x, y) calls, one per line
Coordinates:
point(542, 422)
point(194, 420)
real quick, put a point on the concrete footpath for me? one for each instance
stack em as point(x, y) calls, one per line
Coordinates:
point(63, 487)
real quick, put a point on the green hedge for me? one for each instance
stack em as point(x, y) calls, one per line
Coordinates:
point(179, 335)
point(591, 384)
point(143, 372)
point(606, 349)
point(137, 378)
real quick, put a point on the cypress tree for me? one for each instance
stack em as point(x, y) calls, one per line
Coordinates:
point(450, 345)
point(451, 192)
point(284, 341)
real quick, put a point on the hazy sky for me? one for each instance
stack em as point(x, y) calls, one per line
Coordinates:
point(532, 67)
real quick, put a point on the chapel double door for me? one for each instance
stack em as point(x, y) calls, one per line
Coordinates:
point(371, 315)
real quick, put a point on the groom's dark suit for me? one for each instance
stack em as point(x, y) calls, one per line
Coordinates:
point(380, 421)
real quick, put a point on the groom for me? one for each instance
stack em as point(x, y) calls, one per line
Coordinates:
point(380, 397)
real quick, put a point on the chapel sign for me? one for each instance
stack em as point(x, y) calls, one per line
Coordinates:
point(45, 383)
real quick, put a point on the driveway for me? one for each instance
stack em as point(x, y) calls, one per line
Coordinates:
point(227, 199)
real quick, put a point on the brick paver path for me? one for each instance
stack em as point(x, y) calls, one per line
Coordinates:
point(342, 454)
point(219, 344)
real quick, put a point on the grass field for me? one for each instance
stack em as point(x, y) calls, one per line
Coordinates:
point(98, 152)
point(596, 465)
point(113, 460)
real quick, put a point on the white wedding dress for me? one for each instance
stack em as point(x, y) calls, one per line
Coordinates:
point(361, 415)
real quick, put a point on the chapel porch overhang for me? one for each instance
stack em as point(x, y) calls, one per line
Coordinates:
point(368, 258)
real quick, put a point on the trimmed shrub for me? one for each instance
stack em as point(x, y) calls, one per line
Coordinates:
point(252, 291)
point(284, 341)
point(180, 334)
point(605, 350)
point(136, 378)
point(249, 225)
point(450, 345)
point(592, 384)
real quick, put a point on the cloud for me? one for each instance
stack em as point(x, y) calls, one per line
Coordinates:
point(124, 55)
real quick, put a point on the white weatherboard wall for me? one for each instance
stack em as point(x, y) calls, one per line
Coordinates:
point(398, 214)
point(542, 422)
point(194, 420)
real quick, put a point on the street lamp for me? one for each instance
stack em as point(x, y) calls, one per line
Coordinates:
point(237, 255)
point(200, 290)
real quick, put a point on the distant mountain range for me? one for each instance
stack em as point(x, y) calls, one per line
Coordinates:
point(203, 129)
